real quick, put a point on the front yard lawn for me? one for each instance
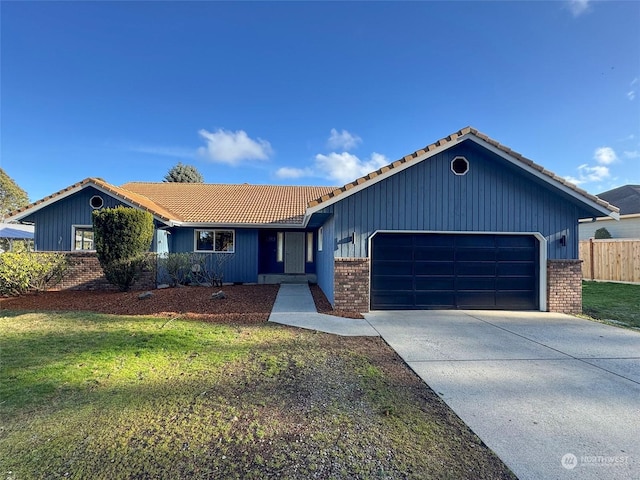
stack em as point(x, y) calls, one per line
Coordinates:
point(95, 396)
point(617, 303)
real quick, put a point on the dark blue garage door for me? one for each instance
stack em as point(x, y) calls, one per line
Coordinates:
point(468, 271)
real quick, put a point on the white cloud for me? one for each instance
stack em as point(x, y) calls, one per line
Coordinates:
point(345, 167)
point(632, 154)
point(232, 148)
point(605, 155)
point(288, 172)
point(339, 168)
point(578, 7)
point(574, 180)
point(343, 140)
point(631, 95)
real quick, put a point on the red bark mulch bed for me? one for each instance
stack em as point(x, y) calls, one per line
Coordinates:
point(243, 303)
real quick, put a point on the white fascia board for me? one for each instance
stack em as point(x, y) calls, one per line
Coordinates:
point(542, 265)
point(604, 219)
point(541, 176)
point(382, 176)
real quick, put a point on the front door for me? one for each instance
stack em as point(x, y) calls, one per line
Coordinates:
point(294, 252)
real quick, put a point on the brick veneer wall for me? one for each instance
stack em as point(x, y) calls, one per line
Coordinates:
point(85, 273)
point(564, 286)
point(351, 284)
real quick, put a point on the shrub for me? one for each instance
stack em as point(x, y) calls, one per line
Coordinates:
point(30, 271)
point(122, 238)
point(175, 267)
point(198, 268)
point(602, 233)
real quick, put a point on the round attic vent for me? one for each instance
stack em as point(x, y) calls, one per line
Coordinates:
point(96, 202)
point(460, 165)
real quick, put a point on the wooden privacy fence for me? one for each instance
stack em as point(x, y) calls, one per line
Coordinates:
point(612, 259)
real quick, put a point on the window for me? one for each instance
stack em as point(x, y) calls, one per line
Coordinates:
point(82, 236)
point(96, 202)
point(280, 247)
point(222, 241)
point(309, 247)
point(460, 166)
point(320, 232)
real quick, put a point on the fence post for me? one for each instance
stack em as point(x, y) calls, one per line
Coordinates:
point(591, 267)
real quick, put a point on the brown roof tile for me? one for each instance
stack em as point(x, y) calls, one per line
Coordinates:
point(231, 204)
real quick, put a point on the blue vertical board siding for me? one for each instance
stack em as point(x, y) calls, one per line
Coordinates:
point(324, 260)
point(242, 266)
point(53, 223)
point(494, 196)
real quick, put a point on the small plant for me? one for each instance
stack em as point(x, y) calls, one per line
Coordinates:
point(193, 268)
point(602, 233)
point(175, 268)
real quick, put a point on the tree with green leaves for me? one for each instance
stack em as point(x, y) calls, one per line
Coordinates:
point(122, 237)
point(181, 173)
point(12, 196)
point(602, 233)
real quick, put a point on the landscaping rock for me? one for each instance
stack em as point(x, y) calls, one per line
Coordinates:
point(218, 295)
point(163, 285)
point(145, 295)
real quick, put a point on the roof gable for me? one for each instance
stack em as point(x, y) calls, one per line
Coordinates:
point(468, 133)
point(130, 198)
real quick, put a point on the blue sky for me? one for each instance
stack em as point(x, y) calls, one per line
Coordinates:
point(312, 93)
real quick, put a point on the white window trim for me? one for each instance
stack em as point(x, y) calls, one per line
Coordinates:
point(459, 157)
point(213, 230)
point(73, 238)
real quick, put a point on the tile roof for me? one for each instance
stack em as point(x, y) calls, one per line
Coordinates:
point(451, 139)
point(230, 204)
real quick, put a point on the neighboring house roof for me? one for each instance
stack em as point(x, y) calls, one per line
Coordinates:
point(467, 133)
point(627, 198)
point(196, 203)
point(16, 231)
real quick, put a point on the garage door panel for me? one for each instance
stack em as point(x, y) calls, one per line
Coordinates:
point(476, 283)
point(478, 255)
point(423, 271)
point(515, 283)
point(396, 300)
point(434, 299)
point(516, 254)
point(434, 254)
point(516, 300)
point(434, 283)
point(434, 268)
point(394, 268)
point(476, 299)
point(396, 252)
point(476, 268)
point(392, 282)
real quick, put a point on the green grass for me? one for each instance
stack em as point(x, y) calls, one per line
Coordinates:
point(96, 396)
point(618, 303)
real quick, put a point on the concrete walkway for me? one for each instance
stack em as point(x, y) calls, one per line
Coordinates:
point(556, 397)
point(295, 307)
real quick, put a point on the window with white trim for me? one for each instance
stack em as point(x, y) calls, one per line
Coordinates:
point(280, 248)
point(320, 232)
point(82, 237)
point(219, 241)
point(309, 247)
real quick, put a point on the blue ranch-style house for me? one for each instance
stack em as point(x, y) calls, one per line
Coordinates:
point(464, 222)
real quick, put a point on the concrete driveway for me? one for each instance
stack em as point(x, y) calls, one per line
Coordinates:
point(554, 396)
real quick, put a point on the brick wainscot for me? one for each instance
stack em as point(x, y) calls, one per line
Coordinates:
point(351, 284)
